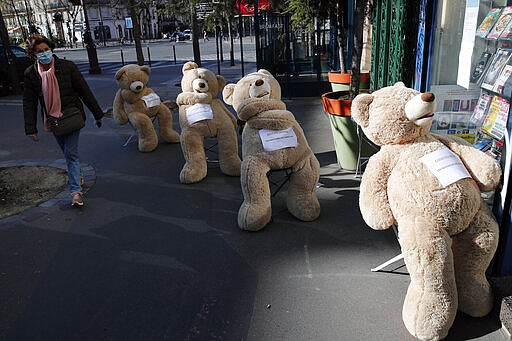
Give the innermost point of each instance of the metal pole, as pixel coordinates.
(217, 47)
(122, 56)
(257, 35)
(149, 56)
(241, 34)
(231, 46)
(174, 52)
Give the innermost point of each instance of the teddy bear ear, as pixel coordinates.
(400, 84)
(360, 109)
(227, 93)
(221, 81)
(265, 72)
(119, 73)
(146, 69)
(189, 66)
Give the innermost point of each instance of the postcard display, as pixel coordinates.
(492, 77)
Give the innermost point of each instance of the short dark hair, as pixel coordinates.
(35, 40)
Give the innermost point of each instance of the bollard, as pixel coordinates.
(174, 51)
(122, 56)
(149, 57)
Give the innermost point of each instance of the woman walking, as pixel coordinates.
(59, 87)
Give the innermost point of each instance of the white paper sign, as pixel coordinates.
(199, 112)
(446, 166)
(277, 139)
(151, 100)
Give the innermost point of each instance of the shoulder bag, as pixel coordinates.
(70, 121)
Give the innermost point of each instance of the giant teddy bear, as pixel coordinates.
(202, 115)
(136, 103)
(257, 100)
(429, 185)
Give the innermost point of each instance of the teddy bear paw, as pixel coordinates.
(170, 136)
(304, 208)
(148, 144)
(475, 296)
(253, 217)
(231, 167)
(190, 174)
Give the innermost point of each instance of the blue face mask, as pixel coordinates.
(45, 57)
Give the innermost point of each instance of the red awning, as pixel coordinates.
(247, 6)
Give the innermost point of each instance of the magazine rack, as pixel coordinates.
(492, 114)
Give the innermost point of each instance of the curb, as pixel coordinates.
(88, 173)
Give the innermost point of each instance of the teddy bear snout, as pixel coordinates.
(420, 109)
(200, 85)
(260, 89)
(137, 86)
(428, 97)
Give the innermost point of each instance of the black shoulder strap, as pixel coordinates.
(43, 105)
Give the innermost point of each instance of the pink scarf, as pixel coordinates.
(51, 93)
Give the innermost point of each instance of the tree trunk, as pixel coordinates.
(136, 32)
(13, 75)
(341, 37)
(195, 34)
(359, 17)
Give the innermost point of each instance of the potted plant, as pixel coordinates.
(346, 81)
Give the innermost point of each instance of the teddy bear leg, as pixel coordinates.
(430, 304)
(148, 140)
(167, 133)
(256, 211)
(195, 168)
(229, 160)
(473, 250)
(302, 201)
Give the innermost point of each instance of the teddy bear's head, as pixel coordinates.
(133, 77)
(200, 80)
(394, 114)
(257, 85)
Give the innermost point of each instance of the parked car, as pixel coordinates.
(187, 34)
(21, 60)
(176, 36)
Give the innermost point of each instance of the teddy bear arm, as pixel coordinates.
(373, 198)
(190, 98)
(118, 111)
(483, 169)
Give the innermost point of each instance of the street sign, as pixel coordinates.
(128, 22)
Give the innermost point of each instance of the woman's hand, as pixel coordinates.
(34, 137)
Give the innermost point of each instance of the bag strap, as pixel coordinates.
(43, 105)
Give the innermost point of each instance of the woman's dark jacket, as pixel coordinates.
(73, 90)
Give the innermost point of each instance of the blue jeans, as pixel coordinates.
(69, 145)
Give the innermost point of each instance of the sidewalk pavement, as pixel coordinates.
(151, 258)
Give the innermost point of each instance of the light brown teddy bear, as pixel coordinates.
(137, 104)
(429, 185)
(272, 139)
(202, 115)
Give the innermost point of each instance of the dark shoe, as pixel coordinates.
(76, 199)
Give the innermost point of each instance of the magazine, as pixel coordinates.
(501, 24)
(494, 69)
(502, 79)
(488, 22)
(495, 122)
(480, 66)
(507, 32)
(478, 116)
